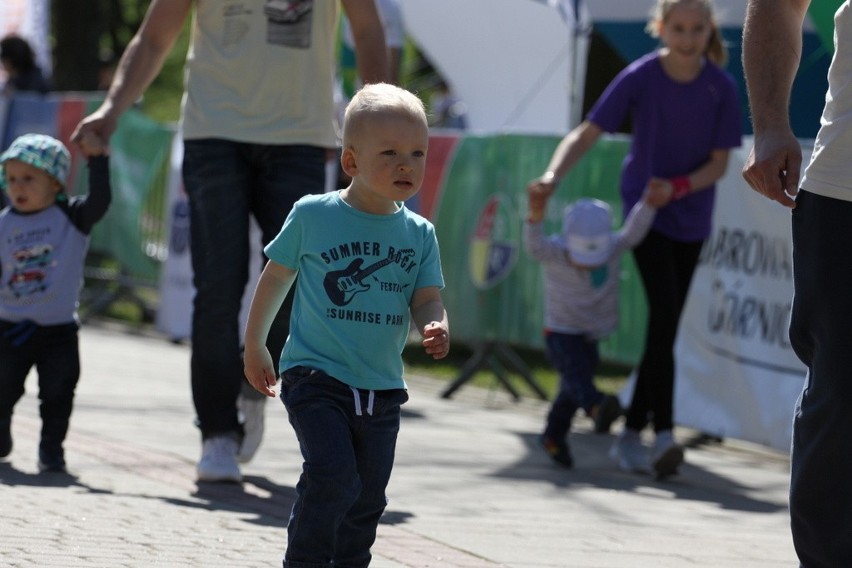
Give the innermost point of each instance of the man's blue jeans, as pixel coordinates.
(227, 182)
(348, 441)
(575, 357)
(821, 335)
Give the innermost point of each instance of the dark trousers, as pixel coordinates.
(666, 267)
(348, 441)
(821, 336)
(227, 183)
(575, 357)
(53, 351)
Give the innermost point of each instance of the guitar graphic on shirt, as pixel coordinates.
(342, 285)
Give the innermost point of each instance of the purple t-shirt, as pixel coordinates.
(675, 128)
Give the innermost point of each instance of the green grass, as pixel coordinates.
(609, 377)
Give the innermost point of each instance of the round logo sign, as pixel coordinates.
(494, 244)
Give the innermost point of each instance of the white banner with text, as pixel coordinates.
(737, 375)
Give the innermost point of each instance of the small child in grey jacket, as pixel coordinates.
(581, 276)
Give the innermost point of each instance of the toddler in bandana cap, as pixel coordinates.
(44, 237)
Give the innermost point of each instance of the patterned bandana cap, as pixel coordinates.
(40, 151)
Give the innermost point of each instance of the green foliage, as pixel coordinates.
(162, 99)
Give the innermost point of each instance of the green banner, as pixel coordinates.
(133, 230)
(494, 289)
(822, 15)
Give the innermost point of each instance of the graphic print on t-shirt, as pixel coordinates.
(28, 274)
(288, 22)
(343, 285)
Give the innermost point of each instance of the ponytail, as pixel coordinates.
(717, 51)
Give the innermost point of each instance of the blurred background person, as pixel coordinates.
(22, 71)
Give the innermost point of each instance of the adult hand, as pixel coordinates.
(773, 167)
(100, 125)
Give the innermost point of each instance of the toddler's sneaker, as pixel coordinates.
(251, 411)
(5, 438)
(219, 460)
(606, 413)
(51, 461)
(666, 455)
(629, 453)
(559, 453)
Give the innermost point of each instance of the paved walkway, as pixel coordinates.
(470, 489)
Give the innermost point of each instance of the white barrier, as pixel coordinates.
(737, 375)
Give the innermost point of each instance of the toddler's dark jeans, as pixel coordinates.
(53, 351)
(575, 357)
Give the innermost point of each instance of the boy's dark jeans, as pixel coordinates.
(228, 182)
(348, 441)
(53, 350)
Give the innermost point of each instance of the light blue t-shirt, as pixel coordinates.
(356, 275)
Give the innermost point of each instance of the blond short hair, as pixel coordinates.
(380, 98)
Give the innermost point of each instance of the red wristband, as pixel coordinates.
(680, 187)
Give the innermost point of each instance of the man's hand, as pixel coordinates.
(773, 167)
(94, 130)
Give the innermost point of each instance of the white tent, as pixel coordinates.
(520, 65)
(511, 61)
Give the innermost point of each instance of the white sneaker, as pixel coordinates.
(251, 413)
(219, 460)
(666, 455)
(629, 453)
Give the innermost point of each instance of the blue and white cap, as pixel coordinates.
(587, 229)
(40, 151)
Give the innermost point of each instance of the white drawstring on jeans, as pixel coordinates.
(371, 397)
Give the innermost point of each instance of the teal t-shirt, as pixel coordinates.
(356, 275)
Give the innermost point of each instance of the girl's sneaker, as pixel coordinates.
(629, 453)
(666, 455)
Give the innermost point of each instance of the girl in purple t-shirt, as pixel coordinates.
(685, 114)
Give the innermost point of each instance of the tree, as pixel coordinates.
(77, 31)
(91, 34)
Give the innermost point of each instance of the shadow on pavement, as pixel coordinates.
(15, 477)
(269, 501)
(592, 467)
